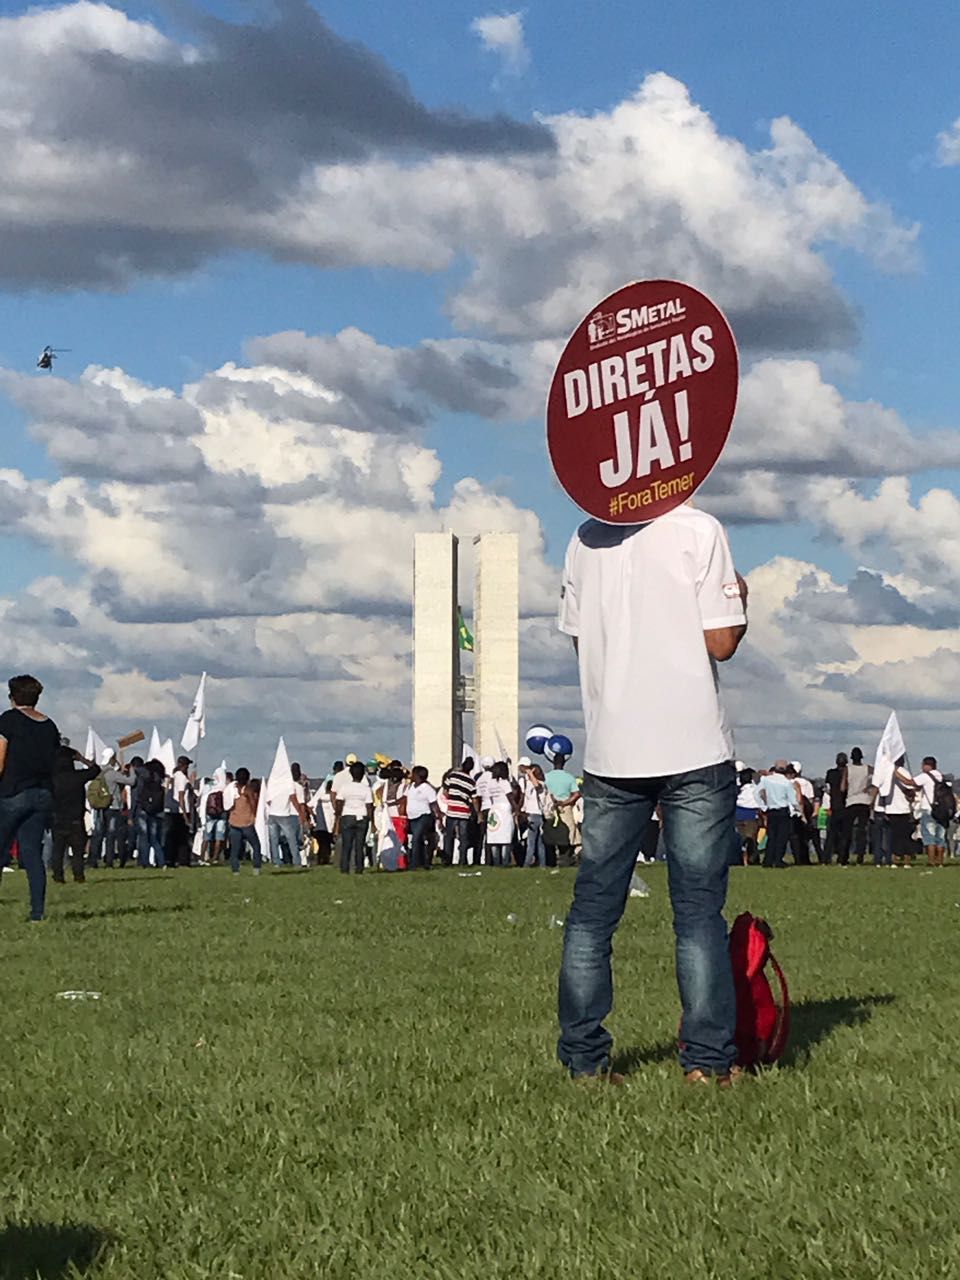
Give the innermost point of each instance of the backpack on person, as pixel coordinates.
(763, 1014)
(99, 795)
(215, 804)
(943, 806)
(151, 796)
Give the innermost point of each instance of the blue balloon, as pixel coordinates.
(538, 736)
(560, 745)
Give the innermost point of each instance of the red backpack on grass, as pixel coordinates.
(763, 1019)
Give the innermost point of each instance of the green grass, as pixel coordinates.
(277, 1085)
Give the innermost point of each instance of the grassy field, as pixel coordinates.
(307, 1075)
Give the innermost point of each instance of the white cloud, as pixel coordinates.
(161, 155)
(502, 34)
(948, 145)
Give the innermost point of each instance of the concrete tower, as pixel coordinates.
(496, 608)
(436, 655)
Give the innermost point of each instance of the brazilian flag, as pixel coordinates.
(466, 639)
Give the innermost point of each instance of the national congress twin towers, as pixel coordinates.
(442, 693)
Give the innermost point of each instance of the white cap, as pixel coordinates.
(739, 766)
(487, 762)
(796, 766)
(525, 762)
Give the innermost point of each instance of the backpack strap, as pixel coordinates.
(781, 1033)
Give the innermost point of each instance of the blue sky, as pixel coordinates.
(871, 87)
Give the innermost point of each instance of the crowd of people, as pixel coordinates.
(58, 808)
(845, 819)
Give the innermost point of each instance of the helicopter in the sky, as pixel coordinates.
(48, 355)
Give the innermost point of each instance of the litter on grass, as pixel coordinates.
(78, 995)
(556, 922)
(338, 902)
(467, 875)
(638, 888)
(512, 918)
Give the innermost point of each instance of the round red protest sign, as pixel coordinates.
(642, 401)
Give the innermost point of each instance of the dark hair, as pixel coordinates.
(500, 772)
(559, 760)
(467, 764)
(295, 771)
(136, 762)
(156, 766)
(841, 759)
(537, 772)
(337, 766)
(856, 755)
(931, 761)
(745, 777)
(419, 769)
(25, 691)
(358, 771)
(242, 776)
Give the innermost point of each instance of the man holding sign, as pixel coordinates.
(639, 410)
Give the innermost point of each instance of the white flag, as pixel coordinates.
(389, 847)
(155, 748)
(96, 749)
(891, 748)
(260, 822)
(196, 726)
(167, 757)
(280, 783)
(500, 747)
(468, 753)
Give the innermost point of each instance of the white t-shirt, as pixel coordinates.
(419, 799)
(279, 804)
(899, 801)
(639, 599)
(483, 788)
(181, 784)
(926, 783)
(340, 780)
(747, 797)
(532, 798)
(355, 796)
(499, 792)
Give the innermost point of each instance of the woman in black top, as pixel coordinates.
(28, 747)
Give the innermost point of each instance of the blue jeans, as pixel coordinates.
(150, 834)
(353, 840)
(237, 837)
(536, 850)
(456, 829)
(109, 836)
(289, 828)
(420, 830)
(499, 855)
(24, 818)
(698, 815)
